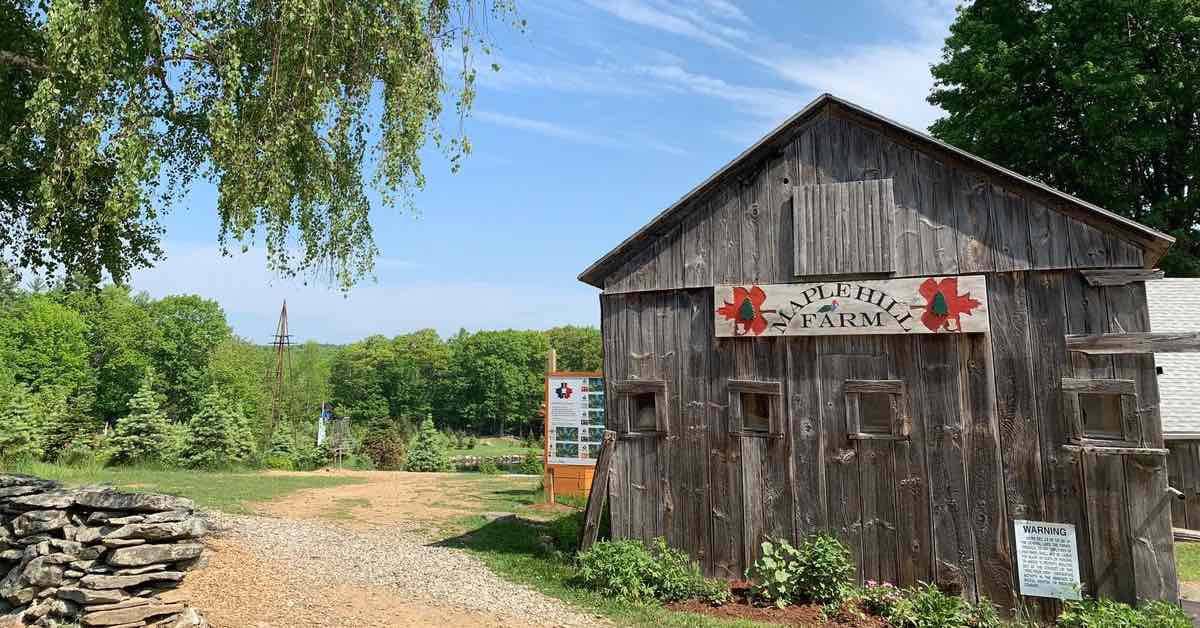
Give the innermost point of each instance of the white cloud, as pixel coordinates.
(397, 303)
(578, 136)
(643, 14)
(548, 129)
(761, 102)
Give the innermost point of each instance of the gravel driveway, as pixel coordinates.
(276, 571)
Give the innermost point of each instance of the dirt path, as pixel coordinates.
(361, 555)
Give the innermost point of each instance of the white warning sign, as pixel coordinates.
(1047, 561)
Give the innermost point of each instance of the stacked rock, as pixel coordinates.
(94, 556)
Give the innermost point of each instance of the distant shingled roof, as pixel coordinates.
(1175, 307)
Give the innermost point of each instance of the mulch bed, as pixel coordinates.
(808, 615)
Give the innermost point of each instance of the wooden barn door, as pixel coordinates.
(861, 474)
(896, 485)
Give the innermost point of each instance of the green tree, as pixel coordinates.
(1099, 98)
(122, 337)
(212, 434)
(46, 344)
(238, 369)
(112, 111)
(65, 417)
(428, 451)
(18, 427)
(142, 436)
(578, 348)
(496, 378)
(190, 328)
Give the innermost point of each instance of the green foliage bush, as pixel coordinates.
(531, 464)
(817, 571)
(142, 436)
(428, 451)
(487, 466)
(213, 437)
(566, 530)
(926, 606)
(621, 569)
(385, 443)
(18, 428)
(1105, 613)
(629, 570)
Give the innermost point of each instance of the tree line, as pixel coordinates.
(114, 375)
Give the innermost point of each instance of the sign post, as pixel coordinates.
(574, 430)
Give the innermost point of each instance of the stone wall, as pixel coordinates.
(472, 462)
(94, 556)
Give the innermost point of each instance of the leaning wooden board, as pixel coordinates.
(914, 305)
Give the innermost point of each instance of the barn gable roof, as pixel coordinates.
(1153, 242)
(1173, 306)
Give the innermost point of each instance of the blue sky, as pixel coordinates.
(603, 113)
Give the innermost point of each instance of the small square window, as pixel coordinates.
(1101, 412)
(875, 413)
(755, 408)
(645, 412)
(874, 409)
(1101, 415)
(756, 412)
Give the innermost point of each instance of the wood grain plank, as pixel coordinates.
(1152, 547)
(804, 430)
(954, 542)
(697, 247)
(914, 529)
(984, 463)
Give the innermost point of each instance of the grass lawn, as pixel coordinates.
(1187, 561)
(224, 491)
(494, 446)
(510, 549)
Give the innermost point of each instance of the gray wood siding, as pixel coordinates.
(843, 228)
(986, 445)
(949, 219)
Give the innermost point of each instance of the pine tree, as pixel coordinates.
(428, 452)
(142, 435)
(18, 427)
(212, 433)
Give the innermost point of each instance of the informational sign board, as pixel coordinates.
(1047, 559)
(574, 418)
(914, 305)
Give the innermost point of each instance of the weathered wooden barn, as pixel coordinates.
(856, 328)
(1174, 305)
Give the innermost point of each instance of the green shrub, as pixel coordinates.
(487, 466)
(618, 568)
(1103, 613)
(879, 598)
(566, 530)
(428, 451)
(775, 574)
(818, 571)
(385, 443)
(18, 431)
(279, 462)
(531, 464)
(926, 606)
(631, 571)
(471, 442)
(211, 438)
(142, 436)
(824, 569)
(675, 576)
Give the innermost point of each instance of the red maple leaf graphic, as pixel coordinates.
(944, 304)
(746, 311)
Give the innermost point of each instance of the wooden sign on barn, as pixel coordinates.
(856, 328)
